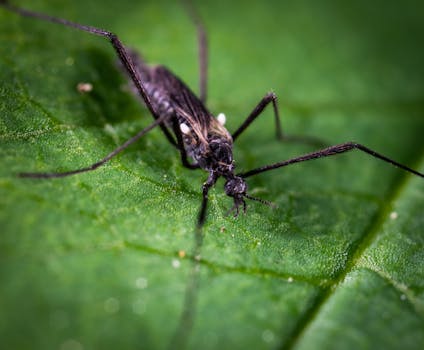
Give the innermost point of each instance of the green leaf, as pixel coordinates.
(95, 261)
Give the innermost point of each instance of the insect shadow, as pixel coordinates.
(109, 102)
(189, 126)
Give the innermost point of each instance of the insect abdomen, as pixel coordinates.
(159, 100)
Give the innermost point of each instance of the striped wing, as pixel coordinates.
(183, 100)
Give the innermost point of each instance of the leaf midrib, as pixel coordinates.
(355, 255)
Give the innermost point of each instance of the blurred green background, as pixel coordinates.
(92, 261)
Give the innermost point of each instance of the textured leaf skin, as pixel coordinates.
(92, 261)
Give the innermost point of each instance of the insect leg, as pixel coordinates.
(113, 38)
(202, 213)
(202, 42)
(180, 146)
(205, 191)
(127, 63)
(326, 152)
(139, 66)
(268, 98)
(168, 135)
(100, 162)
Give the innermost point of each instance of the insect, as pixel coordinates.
(201, 139)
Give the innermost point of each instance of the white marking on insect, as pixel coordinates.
(156, 94)
(221, 118)
(185, 129)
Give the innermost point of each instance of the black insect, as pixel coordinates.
(187, 123)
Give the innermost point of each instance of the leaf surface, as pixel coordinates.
(96, 260)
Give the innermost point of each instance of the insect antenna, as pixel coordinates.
(236, 210)
(260, 200)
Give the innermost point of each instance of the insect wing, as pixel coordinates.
(183, 100)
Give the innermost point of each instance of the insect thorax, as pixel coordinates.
(215, 155)
(204, 137)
